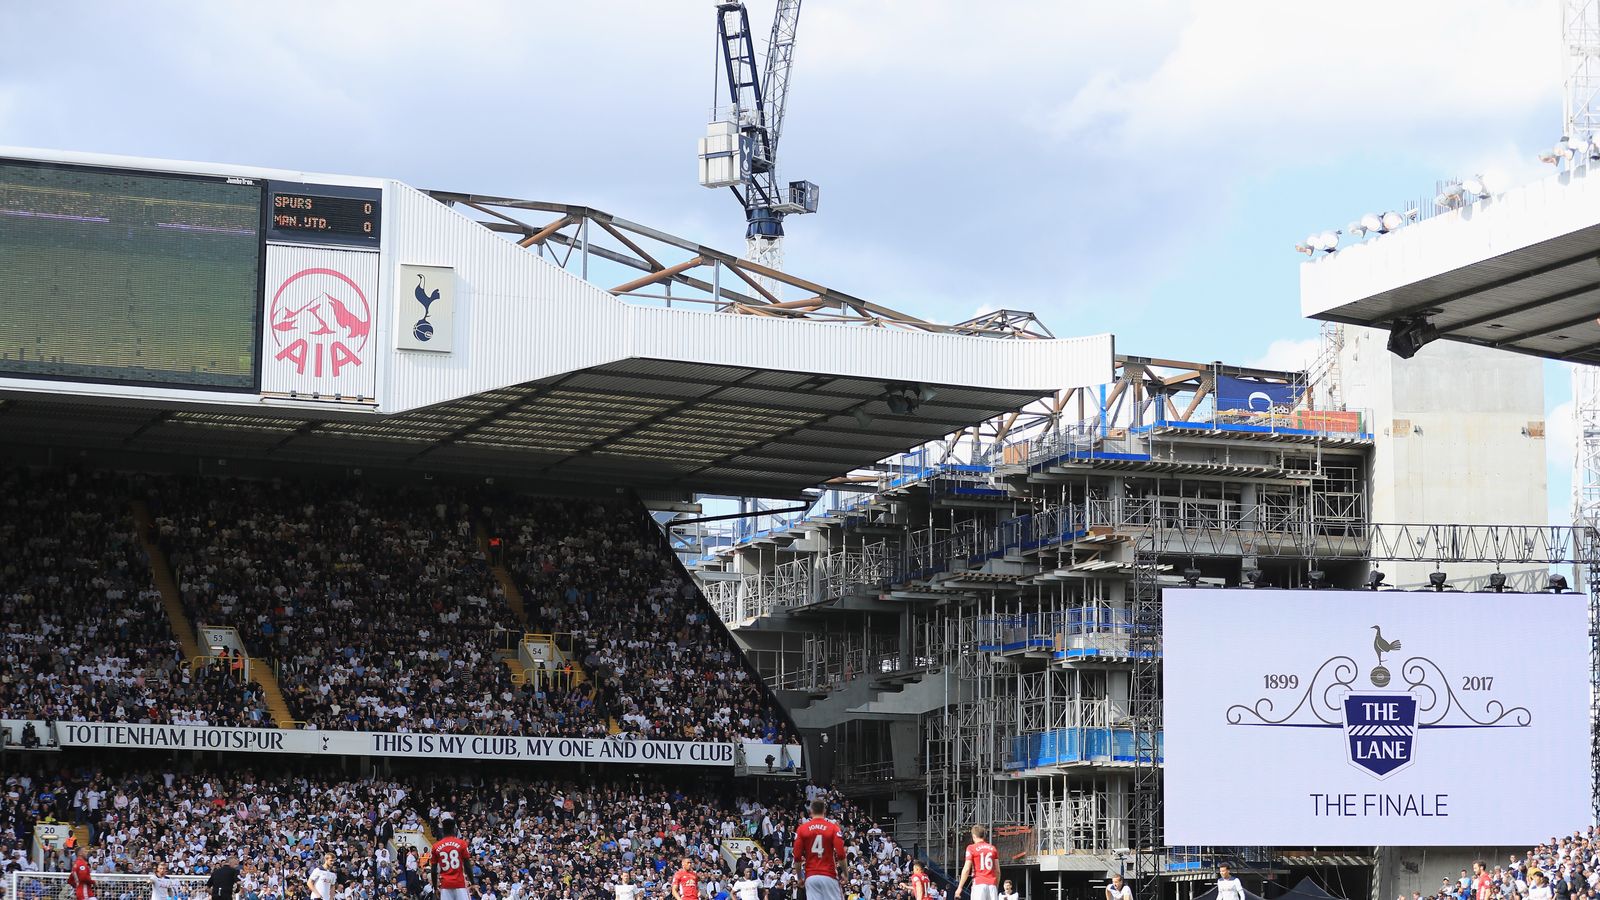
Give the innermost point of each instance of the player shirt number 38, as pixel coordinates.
(451, 855)
(982, 855)
(820, 843)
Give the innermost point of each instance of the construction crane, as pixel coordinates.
(1580, 42)
(740, 149)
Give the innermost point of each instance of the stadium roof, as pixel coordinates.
(1519, 271)
(585, 347)
(640, 423)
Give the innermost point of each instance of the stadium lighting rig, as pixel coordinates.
(1462, 192)
(1372, 223)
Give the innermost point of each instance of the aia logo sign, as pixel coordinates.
(320, 322)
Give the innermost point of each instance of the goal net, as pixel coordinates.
(54, 886)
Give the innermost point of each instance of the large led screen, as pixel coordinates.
(1337, 718)
(129, 277)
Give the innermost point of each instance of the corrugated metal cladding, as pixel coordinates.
(518, 317)
(521, 319)
(880, 354)
(321, 335)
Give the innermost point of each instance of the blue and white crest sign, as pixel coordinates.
(1381, 730)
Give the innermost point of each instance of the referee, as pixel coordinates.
(223, 879)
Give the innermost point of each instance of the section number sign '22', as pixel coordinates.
(1303, 718)
(319, 319)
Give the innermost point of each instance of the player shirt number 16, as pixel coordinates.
(982, 855)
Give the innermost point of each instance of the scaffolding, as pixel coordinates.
(1030, 589)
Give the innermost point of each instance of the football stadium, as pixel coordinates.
(366, 540)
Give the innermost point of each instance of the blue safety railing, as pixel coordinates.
(1061, 746)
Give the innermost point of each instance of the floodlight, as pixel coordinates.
(1356, 230)
(1497, 582)
(1436, 580)
(1374, 580)
(1392, 221)
(1450, 197)
(1558, 584)
(1191, 576)
(1372, 222)
(926, 394)
(862, 417)
(1407, 336)
(1475, 187)
(1307, 249)
(1318, 578)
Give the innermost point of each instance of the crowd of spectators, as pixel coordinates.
(666, 668)
(1565, 868)
(375, 607)
(531, 839)
(82, 633)
(376, 604)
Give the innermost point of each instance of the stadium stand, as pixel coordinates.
(549, 838)
(1566, 868)
(375, 607)
(672, 673)
(375, 604)
(82, 632)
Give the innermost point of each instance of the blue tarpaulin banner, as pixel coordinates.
(1259, 396)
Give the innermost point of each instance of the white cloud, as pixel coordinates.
(1288, 355)
(1559, 433)
(1264, 79)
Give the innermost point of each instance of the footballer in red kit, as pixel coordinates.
(686, 882)
(982, 866)
(449, 864)
(81, 878)
(819, 854)
(919, 882)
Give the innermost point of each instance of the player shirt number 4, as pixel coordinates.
(820, 843)
(982, 855)
(450, 854)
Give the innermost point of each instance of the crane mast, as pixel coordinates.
(1580, 39)
(740, 149)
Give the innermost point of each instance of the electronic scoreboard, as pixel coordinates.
(142, 277)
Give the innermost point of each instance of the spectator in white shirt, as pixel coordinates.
(1116, 890)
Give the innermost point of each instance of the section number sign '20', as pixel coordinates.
(320, 313)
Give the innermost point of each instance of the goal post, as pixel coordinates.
(107, 886)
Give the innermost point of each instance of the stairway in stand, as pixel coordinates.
(172, 602)
(508, 585)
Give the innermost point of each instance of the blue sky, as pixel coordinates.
(1142, 168)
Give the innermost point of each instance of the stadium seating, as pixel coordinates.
(666, 666)
(82, 632)
(530, 838)
(1566, 868)
(375, 604)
